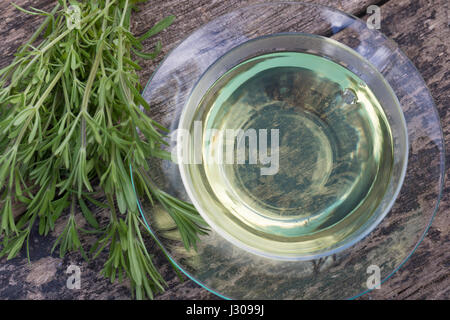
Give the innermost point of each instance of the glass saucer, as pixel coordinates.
(230, 270)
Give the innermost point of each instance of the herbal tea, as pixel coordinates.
(294, 149)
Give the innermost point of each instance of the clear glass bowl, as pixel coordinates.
(305, 229)
(229, 268)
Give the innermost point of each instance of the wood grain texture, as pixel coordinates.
(422, 30)
(420, 27)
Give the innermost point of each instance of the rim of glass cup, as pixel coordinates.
(346, 243)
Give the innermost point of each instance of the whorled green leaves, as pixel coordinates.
(71, 126)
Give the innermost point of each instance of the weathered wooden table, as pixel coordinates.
(422, 30)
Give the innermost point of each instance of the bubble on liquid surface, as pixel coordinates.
(349, 96)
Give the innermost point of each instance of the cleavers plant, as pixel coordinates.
(72, 124)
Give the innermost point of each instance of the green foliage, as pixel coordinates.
(71, 126)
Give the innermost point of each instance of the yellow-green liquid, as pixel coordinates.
(335, 153)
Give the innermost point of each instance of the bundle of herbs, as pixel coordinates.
(72, 126)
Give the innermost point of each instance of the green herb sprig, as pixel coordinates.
(71, 126)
